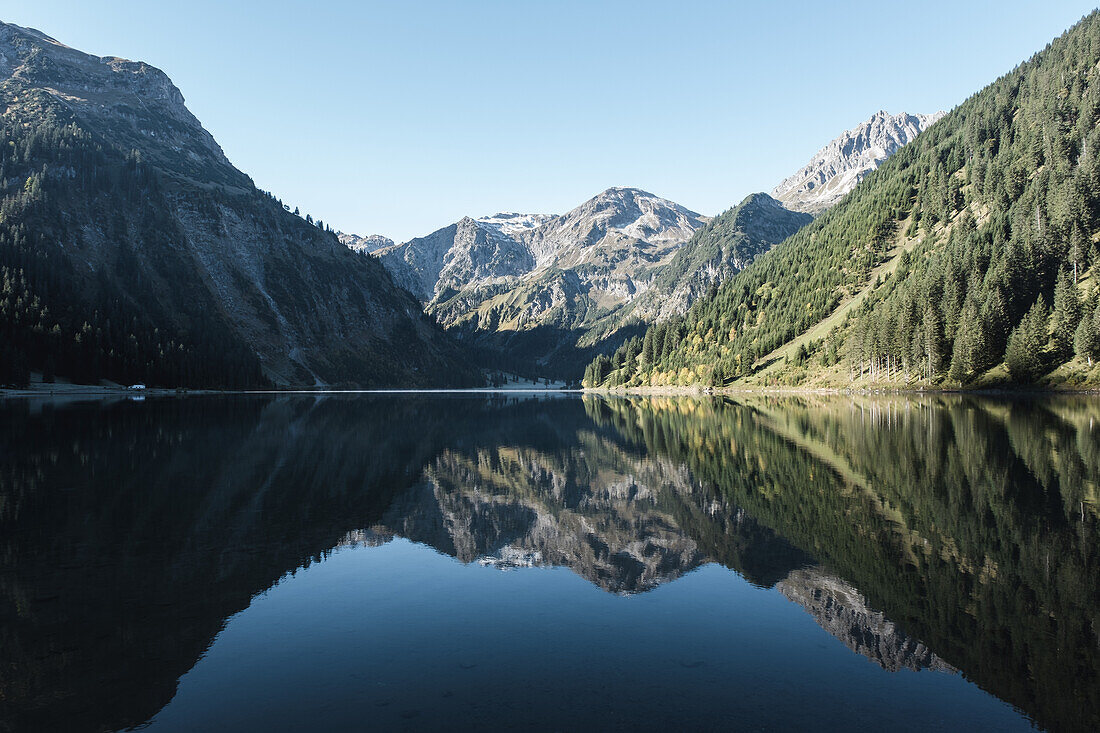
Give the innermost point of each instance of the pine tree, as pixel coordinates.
(1067, 313)
(1023, 356)
(1076, 249)
(933, 342)
(647, 349)
(969, 353)
(996, 326)
(718, 376)
(1086, 339)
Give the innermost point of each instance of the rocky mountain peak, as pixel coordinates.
(619, 214)
(637, 213)
(369, 243)
(190, 244)
(135, 104)
(836, 169)
(470, 250)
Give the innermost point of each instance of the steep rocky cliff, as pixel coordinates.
(839, 166)
(121, 213)
(468, 252)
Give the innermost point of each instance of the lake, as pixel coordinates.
(549, 561)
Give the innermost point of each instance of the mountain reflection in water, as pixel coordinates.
(936, 533)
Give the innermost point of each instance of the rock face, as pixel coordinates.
(154, 217)
(623, 221)
(132, 103)
(369, 243)
(561, 273)
(842, 610)
(618, 224)
(468, 252)
(839, 166)
(512, 224)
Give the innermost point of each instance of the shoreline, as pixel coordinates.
(718, 391)
(94, 391)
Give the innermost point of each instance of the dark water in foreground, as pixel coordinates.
(458, 561)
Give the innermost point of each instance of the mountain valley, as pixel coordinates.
(132, 250)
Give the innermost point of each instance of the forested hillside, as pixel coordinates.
(89, 326)
(724, 246)
(966, 259)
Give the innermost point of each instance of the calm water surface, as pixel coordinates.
(549, 562)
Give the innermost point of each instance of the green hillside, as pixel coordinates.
(965, 260)
(728, 243)
(114, 321)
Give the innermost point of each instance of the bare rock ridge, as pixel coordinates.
(475, 252)
(369, 243)
(839, 166)
(198, 253)
(466, 253)
(132, 102)
(512, 224)
(616, 218)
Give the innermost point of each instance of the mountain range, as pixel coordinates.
(131, 249)
(542, 294)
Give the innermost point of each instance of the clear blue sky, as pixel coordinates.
(399, 118)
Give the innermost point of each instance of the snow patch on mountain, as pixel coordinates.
(368, 243)
(511, 224)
